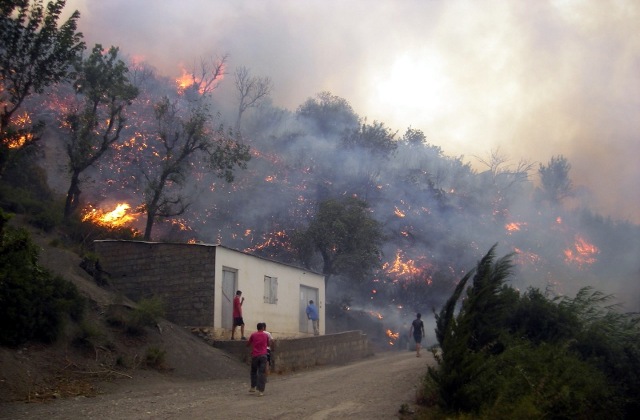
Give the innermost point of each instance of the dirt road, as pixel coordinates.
(374, 388)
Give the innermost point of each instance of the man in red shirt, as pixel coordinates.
(259, 341)
(237, 316)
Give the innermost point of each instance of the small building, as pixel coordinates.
(197, 283)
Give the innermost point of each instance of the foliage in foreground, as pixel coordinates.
(511, 355)
(34, 304)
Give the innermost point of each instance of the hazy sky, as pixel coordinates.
(532, 79)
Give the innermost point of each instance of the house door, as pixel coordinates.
(307, 294)
(229, 281)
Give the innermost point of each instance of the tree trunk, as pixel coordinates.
(73, 195)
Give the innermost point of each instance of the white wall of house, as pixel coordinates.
(278, 306)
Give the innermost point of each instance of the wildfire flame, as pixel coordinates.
(401, 268)
(584, 253)
(21, 122)
(376, 314)
(527, 257)
(117, 217)
(514, 226)
(399, 212)
(393, 336)
(185, 81)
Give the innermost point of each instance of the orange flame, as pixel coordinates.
(514, 226)
(21, 121)
(376, 314)
(185, 81)
(393, 336)
(401, 268)
(584, 253)
(117, 217)
(399, 212)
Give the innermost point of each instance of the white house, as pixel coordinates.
(197, 283)
(274, 293)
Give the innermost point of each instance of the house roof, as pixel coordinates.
(214, 246)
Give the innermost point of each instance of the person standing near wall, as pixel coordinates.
(417, 330)
(238, 321)
(259, 342)
(269, 359)
(313, 315)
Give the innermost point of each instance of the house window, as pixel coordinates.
(270, 290)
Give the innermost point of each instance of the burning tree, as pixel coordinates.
(96, 124)
(178, 144)
(34, 53)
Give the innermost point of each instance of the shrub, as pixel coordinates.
(511, 356)
(155, 357)
(34, 304)
(89, 335)
(147, 312)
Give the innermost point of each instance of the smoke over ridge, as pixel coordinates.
(532, 80)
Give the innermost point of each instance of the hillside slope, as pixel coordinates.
(36, 371)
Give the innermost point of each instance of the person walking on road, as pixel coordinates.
(417, 330)
(312, 314)
(259, 341)
(238, 321)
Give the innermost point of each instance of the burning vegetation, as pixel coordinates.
(118, 217)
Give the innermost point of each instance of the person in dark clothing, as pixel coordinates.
(417, 330)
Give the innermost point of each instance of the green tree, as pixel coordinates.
(34, 53)
(177, 144)
(505, 355)
(345, 236)
(329, 113)
(376, 137)
(105, 92)
(414, 137)
(554, 179)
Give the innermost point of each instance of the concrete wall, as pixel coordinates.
(188, 279)
(292, 354)
(282, 317)
(181, 274)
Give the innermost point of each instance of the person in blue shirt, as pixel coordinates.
(312, 314)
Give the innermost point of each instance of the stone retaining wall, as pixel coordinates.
(292, 354)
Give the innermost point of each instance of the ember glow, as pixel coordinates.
(376, 314)
(582, 253)
(118, 217)
(22, 122)
(514, 226)
(393, 336)
(400, 268)
(185, 81)
(526, 258)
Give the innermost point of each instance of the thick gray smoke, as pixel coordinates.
(529, 78)
(534, 81)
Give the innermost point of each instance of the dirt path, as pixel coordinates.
(374, 388)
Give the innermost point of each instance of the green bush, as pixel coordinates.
(89, 335)
(34, 304)
(134, 321)
(510, 356)
(155, 357)
(147, 312)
